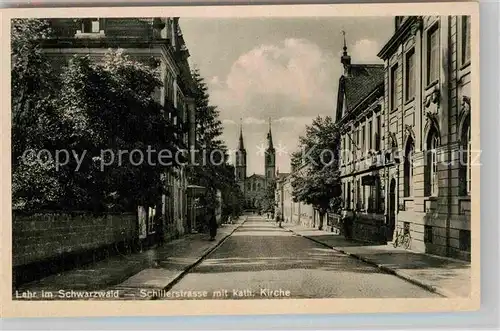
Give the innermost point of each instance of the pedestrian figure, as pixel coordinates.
(212, 224)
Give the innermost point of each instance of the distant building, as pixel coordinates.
(291, 211)
(254, 187)
(153, 41)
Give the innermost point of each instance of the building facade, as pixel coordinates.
(427, 121)
(359, 117)
(289, 210)
(153, 41)
(406, 146)
(254, 187)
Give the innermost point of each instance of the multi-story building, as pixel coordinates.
(359, 117)
(427, 119)
(151, 41)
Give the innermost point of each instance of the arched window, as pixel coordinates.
(431, 166)
(408, 168)
(465, 164)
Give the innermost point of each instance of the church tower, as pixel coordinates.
(241, 162)
(270, 161)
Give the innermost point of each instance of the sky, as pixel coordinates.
(285, 69)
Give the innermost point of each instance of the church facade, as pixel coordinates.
(254, 187)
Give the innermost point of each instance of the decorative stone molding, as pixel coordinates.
(431, 116)
(465, 104)
(393, 139)
(417, 26)
(432, 98)
(409, 131)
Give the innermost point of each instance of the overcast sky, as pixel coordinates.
(286, 69)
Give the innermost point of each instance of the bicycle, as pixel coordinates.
(403, 239)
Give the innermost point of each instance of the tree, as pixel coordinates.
(110, 106)
(35, 121)
(315, 175)
(211, 169)
(269, 198)
(98, 111)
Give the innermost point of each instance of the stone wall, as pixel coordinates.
(369, 228)
(43, 236)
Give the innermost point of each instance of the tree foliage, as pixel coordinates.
(315, 176)
(211, 169)
(100, 112)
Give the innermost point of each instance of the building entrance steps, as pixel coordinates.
(444, 276)
(154, 269)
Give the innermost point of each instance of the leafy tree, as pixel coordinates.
(315, 176)
(211, 169)
(268, 199)
(90, 108)
(35, 121)
(110, 106)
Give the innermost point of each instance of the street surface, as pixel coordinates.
(260, 260)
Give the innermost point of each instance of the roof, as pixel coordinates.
(361, 82)
(257, 176)
(283, 175)
(363, 79)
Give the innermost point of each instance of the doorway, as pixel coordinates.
(391, 222)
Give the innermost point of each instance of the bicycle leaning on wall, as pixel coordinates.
(403, 238)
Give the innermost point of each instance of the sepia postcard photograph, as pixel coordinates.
(241, 160)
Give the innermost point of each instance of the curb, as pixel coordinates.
(181, 274)
(440, 291)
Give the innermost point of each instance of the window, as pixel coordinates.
(464, 240)
(380, 196)
(394, 87)
(432, 55)
(428, 234)
(465, 164)
(363, 139)
(358, 195)
(90, 25)
(410, 75)
(349, 143)
(466, 34)
(431, 167)
(378, 134)
(370, 135)
(343, 150)
(344, 194)
(357, 142)
(348, 195)
(408, 168)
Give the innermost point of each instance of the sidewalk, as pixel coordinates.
(444, 276)
(132, 275)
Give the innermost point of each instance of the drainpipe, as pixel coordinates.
(447, 70)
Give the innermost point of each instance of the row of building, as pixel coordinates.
(406, 139)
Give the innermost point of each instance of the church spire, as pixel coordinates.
(345, 59)
(241, 145)
(270, 137)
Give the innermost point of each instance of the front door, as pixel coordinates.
(391, 222)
